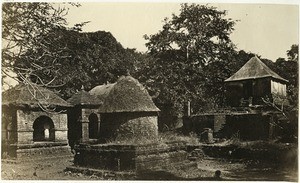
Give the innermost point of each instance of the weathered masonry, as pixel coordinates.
(128, 112)
(128, 117)
(28, 130)
(253, 82)
(83, 118)
(247, 116)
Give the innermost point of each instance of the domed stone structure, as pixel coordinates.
(128, 112)
(128, 128)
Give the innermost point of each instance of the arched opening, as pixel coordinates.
(93, 126)
(43, 129)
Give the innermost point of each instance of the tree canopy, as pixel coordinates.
(190, 58)
(88, 59)
(40, 49)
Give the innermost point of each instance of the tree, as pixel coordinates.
(88, 59)
(41, 50)
(24, 26)
(190, 58)
(201, 32)
(293, 53)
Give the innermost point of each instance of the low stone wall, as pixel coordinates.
(38, 151)
(282, 156)
(129, 157)
(243, 126)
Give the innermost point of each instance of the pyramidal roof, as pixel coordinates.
(32, 95)
(254, 69)
(128, 95)
(84, 98)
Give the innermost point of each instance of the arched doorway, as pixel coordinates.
(43, 129)
(93, 126)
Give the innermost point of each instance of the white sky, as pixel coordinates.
(266, 29)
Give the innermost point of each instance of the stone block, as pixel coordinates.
(128, 157)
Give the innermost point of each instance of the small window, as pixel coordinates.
(43, 129)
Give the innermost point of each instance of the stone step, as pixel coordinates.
(107, 174)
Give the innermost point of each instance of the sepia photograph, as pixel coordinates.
(150, 91)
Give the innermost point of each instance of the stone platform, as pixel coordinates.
(37, 151)
(128, 158)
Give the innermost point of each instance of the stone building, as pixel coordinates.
(128, 112)
(34, 122)
(128, 132)
(84, 117)
(247, 115)
(252, 82)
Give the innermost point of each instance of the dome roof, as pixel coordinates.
(127, 95)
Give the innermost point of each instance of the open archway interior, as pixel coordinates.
(93, 126)
(43, 129)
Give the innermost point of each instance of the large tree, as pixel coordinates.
(88, 59)
(191, 56)
(41, 50)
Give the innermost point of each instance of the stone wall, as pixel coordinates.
(198, 123)
(129, 157)
(36, 150)
(25, 120)
(74, 126)
(246, 127)
(86, 112)
(43, 152)
(9, 125)
(126, 126)
(78, 123)
(242, 126)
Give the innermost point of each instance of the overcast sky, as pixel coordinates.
(268, 30)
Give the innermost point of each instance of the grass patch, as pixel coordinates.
(162, 138)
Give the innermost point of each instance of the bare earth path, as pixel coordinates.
(49, 169)
(53, 169)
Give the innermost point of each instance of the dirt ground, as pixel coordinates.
(49, 169)
(53, 169)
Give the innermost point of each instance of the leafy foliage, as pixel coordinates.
(88, 59)
(190, 58)
(293, 53)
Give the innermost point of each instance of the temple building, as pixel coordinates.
(34, 122)
(252, 82)
(248, 114)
